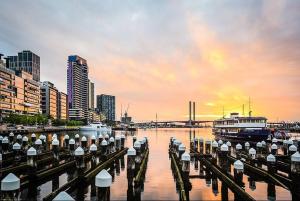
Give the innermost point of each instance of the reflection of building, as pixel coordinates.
(26, 61)
(77, 84)
(19, 93)
(62, 106)
(91, 95)
(106, 105)
(49, 97)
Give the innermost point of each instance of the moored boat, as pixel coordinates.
(97, 126)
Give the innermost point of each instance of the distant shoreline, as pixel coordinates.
(37, 130)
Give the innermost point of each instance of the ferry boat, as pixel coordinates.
(97, 126)
(242, 128)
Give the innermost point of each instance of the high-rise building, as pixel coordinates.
(78, 86)
(106, 105)
(49, 97)
(91, 96)
(26, 61)
(62, 106)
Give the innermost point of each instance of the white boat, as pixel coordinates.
(97, 126)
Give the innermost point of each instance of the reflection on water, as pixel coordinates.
(159, 182)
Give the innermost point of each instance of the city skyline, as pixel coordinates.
(157, 57)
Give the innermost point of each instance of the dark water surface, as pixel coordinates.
(159, 181)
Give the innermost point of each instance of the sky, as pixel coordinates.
(158, 55)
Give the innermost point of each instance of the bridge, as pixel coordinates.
(175, 123)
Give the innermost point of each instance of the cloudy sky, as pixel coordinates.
(158, 55)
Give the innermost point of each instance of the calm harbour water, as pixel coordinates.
(159, 181)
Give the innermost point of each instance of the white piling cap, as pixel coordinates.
(10, 183)
(292, 148)
(134, 137)
(274, 140)
(42, 137)
(137, 144)
(31, 151)
(284, 141)
(38, 142)
(5, 140)
(66, 137)
(93, 147)
(19, 137)
(1, 138)
(16, 146)
(107, 136)
(252, 151)
(224, 147)
(274, 146)
(238, 165)
(63, 196)
(25, 139)
(111, 139)
(259, 144)
(215, 144)
(33, 135)
(238, 146)
(181, 147)
(118, 137)
(93, 137)
(295, 157)
(142, 141)
(290, 142)
(220, 142)
(55, 142)
(104, 143)
(77, 135)
(228, 143)
(263, 143)
(11, 134)
(247, 144)
(271, 158)
(79, 151)
(72, 141)
(177, 142)
(185, 157)
(195, 139)
(103, 179)
(131, 151)
(201, 139)
(173, 139)
(83, 139)
(55, 135)
(207, 141)
(100, 136)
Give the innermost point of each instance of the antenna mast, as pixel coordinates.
(250, 107)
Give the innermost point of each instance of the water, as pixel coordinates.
(159, 181)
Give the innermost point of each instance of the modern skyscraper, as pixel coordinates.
(78, 88)
(91, 95)
(26, 61)
(106, 105)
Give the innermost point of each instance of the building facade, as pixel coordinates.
(26, 61)
(49, 99)
(106, 105)
(62, 106)
(91, 95)
(78, 87)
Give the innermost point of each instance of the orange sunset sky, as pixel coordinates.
(158, 55)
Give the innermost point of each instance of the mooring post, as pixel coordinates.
(223, 158)
(142, 142)
(72, 147)
(100, 138)
(207, 146)
(264, 147)
(137, 147)
(106, 137)
(274, 149)
(292, 150)
(131, 154)
(5, 145)
(10, 186)
(17, 153)
(274, 140)
(220, 142)
(122, 141)
(181, 150)
(25, 144)
(93, 139)
(201, 145)
(228, 143)
(252, 156)
(44, 142)
(33, 138)
(214, 184)
(11, 137)
(214, 151)
(84, 143)
(118, 142)
(93, 150)
(55, 150)
(238, 149)
(66, 141)
(271, 192)
(112, 144)
(247, 146)
(186, 160)
(176, 145)
(31, 172)
(103, 182)
(285, 147)
(19, 139)
(63, 196)
(238, 172)
(196, 144)
(104, 148)
(295, 176)
(259, 150)
(133, 140)
(38, 146)
(80, 163)
(77, 143)
(271, 164)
